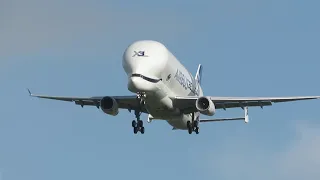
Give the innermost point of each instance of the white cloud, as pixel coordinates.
(248, 159)
(302, 159)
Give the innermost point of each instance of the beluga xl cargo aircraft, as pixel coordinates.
(165, 90)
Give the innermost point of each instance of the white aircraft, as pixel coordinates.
(165, 90)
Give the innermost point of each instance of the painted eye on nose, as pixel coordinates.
(169, 76)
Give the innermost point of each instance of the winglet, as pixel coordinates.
(30, 94)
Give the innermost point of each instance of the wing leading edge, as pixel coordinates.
(188, 103)
(124, 102)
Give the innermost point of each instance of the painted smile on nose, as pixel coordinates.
(141, 83)
(146, 78)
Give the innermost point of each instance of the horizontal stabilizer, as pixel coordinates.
(245, 118)
(222, 119)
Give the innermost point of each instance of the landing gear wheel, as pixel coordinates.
(188, 124)
(135, 130)
(195, 124)
(189, 127)
(137, 124)
(134, 123)
(197, 130)
(140, 123)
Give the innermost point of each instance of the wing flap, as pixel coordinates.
(225, 105)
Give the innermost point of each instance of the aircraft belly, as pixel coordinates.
(161, 108)
(158, 102)
(176, 120)
(158, 108)
(179, 122)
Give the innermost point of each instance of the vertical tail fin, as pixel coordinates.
(199, 74)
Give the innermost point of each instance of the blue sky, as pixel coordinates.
(74, 48)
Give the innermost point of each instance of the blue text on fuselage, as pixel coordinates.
(185, 82)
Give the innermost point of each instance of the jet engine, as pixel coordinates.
(205, 106)
(109, 106)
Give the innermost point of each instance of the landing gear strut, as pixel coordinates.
(138, 124)
(141, 98)
(193, 125)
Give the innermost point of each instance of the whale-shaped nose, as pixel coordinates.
(144, 63)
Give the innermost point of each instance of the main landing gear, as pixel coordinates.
(137, 124)
(193, 125)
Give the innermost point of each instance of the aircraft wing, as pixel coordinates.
(124, 102)
(187, 104)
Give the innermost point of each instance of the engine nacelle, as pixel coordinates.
(109, 106)
(205, 106)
